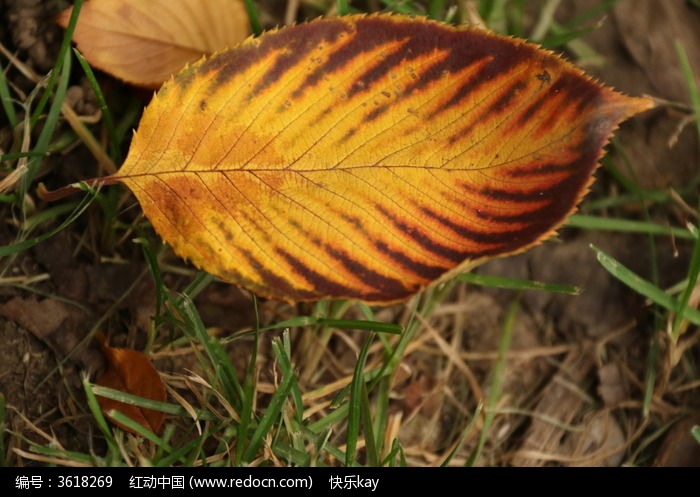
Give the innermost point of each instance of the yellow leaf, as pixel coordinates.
(367, 157)
(145, 42)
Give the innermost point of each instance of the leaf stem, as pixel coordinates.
(68, 190)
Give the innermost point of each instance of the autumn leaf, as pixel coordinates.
(367, 157)
(130, 371)
(145, 42)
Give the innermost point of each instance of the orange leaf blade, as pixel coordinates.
(367, 157)
(130, 371)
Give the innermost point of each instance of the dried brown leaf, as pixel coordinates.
(144, 43)
(131, 371)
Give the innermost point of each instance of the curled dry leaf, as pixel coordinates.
(367, 157)
(130, 371)
(145, 42)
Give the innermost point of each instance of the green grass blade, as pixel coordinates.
(47, 132)
(436, 9)
(353, 324)
(198, 283)
(247, 401)
(253, 17)
(696, 433)
(129, 118)
(164, 449)
(494, 15)
(190, 452)
(42, 144)
(218, 358)
(516, 284)
(18, 155)
(516, 18)
(296, 394)
(349, 324)
(463, 436)
(642, 286)
(342, 7)
(355, 403)
(320, 440)
(293, 456)
(154, 268)
(370, 441)
(96, 411)
(596, 11)
(624, 199)
(295, 322)
(627, 183)
(48, 214)
(651, 364)
(66, 455)
(693, 272)
(138, 428)
(63, 55)
(390, 459)
(104, 108)
(3, 415)
(627, 226)
(274, 408)
(401, 7)
(690, 82)
(156, 405)
(6, 100)
(337, 415)
(27, 244)
(559, 38)
(382, 403)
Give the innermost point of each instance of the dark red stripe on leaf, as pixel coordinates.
(375, 113)
(298, 49)
(223, 227)
(504, 195)
(530, 170)
(498, 65)
(533, 109)
(425, 271)
(297, 43)
(578, 89)
(459, 48)
(367, 276)
(531, 227)
(465, 232)
(352, 220)
(423, 240)
(507, 97)
(544, 215)
(561, 198)
(328, 288)
(281, 286)
(349, 134)
(323, 285)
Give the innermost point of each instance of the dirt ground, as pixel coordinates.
(579, 360)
